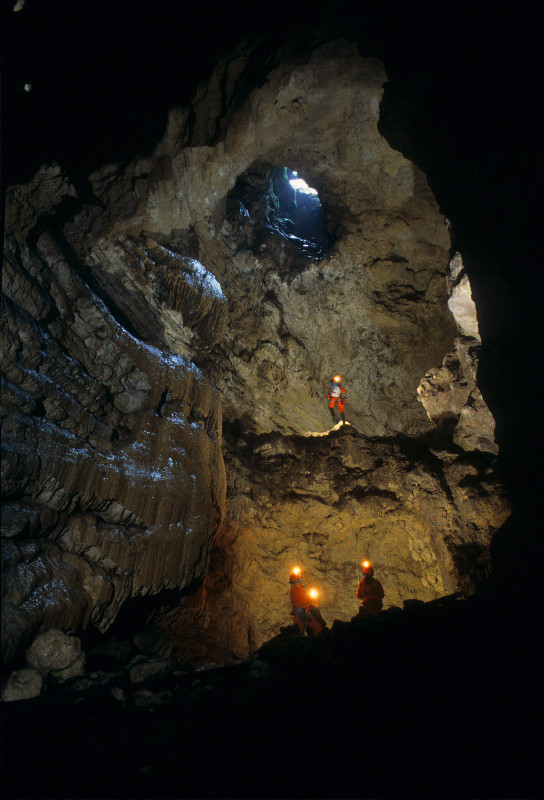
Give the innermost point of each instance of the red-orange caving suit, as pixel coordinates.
(299, 601)
(370, 593)
(336, 390)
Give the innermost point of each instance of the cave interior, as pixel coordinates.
(176, 298)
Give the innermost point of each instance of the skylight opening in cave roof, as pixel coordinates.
(294, 211)
(300, 184)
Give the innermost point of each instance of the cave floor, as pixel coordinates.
(437, 701)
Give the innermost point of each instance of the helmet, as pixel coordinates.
(313, 594)
(295, 576)
(368, 569)
(337, 378)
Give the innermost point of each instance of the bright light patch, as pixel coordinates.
(301, 186)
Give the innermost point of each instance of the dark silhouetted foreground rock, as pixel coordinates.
(424, 703)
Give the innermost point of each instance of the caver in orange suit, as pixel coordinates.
(370, 592)
(337, 394)
(299, 602)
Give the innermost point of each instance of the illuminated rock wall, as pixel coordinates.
(424, 518)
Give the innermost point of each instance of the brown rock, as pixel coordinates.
(325, 503)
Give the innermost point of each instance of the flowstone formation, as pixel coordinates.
(119, 363)
(112, 475)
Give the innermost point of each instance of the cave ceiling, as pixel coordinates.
(168, 344)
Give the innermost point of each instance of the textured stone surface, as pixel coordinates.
(56, 653)
(22, 685)
(112, 474)
(141, 672)
(374, 309)
(450, 393)
(425, 518)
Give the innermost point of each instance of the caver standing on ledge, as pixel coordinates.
(370, 592)
(337, 394)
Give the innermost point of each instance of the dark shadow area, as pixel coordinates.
(437, 700)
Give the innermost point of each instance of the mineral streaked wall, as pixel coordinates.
(112, 472)
(167, 297)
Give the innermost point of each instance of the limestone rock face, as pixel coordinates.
(425, 518)
(22, 685)
(374, 309)
(449, 393)
(119, 362)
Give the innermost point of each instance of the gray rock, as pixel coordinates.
(57, 653)
(22, 685)
(143, 697)
(151, 669)
(119, 694)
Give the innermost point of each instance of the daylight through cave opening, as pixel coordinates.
(277, 211)
(295, 212)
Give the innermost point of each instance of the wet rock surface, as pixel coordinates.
(112, 473)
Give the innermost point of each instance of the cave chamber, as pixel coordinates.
(167, 355)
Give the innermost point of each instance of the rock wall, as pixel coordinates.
(423, 515)
(112, 475)
(119, 362)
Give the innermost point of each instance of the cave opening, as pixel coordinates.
(275, 210)
(294, 211)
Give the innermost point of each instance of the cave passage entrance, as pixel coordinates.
(294, 211)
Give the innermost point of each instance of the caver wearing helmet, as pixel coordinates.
(299, 600)
(370, 592)
(316, 623)
(337, 394)
(295, 576)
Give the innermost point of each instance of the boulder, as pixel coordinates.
(22, 685)
(57, 653)
(150, 669)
